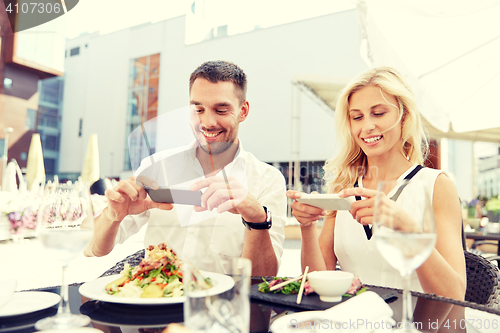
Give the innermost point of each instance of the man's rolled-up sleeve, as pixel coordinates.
(273, 196)
(131, 225)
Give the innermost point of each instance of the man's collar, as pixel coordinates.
(239, 155)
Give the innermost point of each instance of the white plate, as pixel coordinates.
(27, 302)
(7, 289)
(96, 290)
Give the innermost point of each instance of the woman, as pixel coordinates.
(382, 140)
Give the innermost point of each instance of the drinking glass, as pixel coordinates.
(228, 311)
(405, 238)
(64, 226)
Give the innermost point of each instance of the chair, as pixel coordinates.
(483, 281)
(488, 255)
(99, 186)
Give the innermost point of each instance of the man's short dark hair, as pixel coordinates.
(219, 70)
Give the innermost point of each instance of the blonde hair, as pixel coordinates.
(343, 170)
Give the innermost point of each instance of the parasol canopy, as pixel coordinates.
(91, 171)
(448, 51)
(35, 169)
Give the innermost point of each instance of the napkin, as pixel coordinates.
(468, 228)
(7, 288)
(365, 312)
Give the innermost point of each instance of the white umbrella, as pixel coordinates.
(449, 51)
(91, 171)
(35, 170)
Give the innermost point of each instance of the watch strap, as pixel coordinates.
(260, 225)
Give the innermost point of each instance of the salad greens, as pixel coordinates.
(291, 288)
(157, 275)
(294, 287)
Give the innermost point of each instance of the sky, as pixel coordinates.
(112, 15)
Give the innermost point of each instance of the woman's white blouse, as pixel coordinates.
(359, 255)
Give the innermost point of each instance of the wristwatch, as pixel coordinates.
(260, 226)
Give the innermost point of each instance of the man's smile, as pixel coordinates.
(210, 134)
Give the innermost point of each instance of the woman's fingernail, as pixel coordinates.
(155, 186)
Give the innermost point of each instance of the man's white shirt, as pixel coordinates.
(207, 239)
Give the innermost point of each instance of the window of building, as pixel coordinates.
(48, 111)
(50, 165)
(144, 77)
(24, 156)
(2, 146)
(80, 126)
(7, 82)
(49, 95)
(30, 120)
(46, 121)
(51, 142)
(74, 51)
(48, 116)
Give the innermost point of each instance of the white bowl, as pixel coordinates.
(330, 285)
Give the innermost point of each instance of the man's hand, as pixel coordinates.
(228, 196)
(130, 198)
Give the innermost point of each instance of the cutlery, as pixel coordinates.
(282, 284)
(301, 291)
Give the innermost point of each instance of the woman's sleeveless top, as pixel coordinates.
(359, 255)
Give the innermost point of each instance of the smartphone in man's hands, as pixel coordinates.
(175, 196)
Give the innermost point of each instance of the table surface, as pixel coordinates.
(429, 311)
(484, 236)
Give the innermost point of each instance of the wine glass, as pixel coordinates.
(65, 226)
(405, 237)
(226, 312)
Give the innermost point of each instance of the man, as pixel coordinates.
(236, 187)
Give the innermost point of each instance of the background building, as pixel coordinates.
(49, 122)
(457, 159)
(488, 177)
(26, 57)
(111, 80)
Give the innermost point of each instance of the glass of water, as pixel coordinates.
(228, 311)
(404, 233)
(65, 227)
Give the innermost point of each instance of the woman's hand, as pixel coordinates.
(389, 211)
(305, 214)
(361, 210)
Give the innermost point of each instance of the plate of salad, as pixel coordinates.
(156, 280)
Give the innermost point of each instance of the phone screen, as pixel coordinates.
(175, 196)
